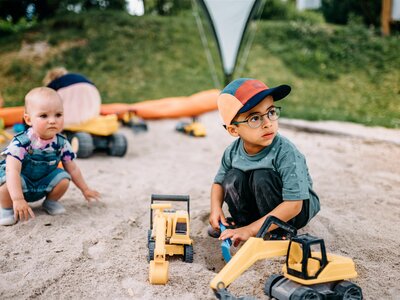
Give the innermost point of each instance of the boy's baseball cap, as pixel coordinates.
(243, 94)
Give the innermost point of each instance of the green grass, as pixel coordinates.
(337, 73)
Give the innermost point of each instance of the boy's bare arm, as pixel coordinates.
(76, 175)
(285, 211)
(216, 213)
(21, 208)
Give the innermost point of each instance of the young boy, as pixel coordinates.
(261, 173)
(30, 169)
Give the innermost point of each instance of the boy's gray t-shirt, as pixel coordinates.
(283, 157)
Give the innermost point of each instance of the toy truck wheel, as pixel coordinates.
(270, 282)
(100, 142)
(305, 293)
(117, 145)
(348, 290)
(137, 125)
(152, 246)
(188, 256)
(82, 144)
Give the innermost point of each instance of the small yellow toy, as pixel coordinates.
(132, 120)
(194, 128)
(168, 235)
(99, 133)
(309, 272)
(4, 135)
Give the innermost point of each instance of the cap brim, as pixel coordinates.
(277, 93)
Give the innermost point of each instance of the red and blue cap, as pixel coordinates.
(243, 94)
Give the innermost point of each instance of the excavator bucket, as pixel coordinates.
(225, 245)
(158, 273)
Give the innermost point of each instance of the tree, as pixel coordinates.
(13, 10)
(340, 11)
(42, 9)
(165, 7)
(46, 8)
(104, 4)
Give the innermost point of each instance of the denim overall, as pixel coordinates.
(39, 172)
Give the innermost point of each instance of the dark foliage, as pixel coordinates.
(341, 11)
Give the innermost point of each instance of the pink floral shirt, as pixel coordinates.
(16, 150)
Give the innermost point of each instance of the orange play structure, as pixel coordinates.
(173, 107)
(12, 115)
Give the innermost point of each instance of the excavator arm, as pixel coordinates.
(253, 250)
(263, 246)
(158, 273)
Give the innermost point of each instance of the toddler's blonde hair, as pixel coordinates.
(54, 74)
(38, 93)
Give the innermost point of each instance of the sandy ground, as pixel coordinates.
(100, 252)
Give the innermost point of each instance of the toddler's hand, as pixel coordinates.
(22, 211)
(91, 195)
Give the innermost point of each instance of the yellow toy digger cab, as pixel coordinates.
(309, 272)
(168, 235)
(97, 134)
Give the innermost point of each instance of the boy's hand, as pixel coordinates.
(22, 211)
(216, 216)
(91, 195)
(236, 235)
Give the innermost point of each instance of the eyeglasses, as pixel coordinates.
(256, 120)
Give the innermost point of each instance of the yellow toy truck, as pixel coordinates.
(309, 272)
(168, 235)
(194, 128)
(97, 134)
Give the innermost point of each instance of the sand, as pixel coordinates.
(100, 252)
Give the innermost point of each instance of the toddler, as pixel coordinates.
(30, 170)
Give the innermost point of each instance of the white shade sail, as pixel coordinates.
(229, 19)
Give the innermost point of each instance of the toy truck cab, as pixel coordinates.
(311, 273)
(306, 257)
(180, 228)
(308, 263)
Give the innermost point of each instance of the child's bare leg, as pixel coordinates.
(59, 190)
(5, 198)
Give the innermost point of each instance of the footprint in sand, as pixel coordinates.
(93, 249)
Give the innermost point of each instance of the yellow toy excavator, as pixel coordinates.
(97, 134)
(309, 272)
(168, 235)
